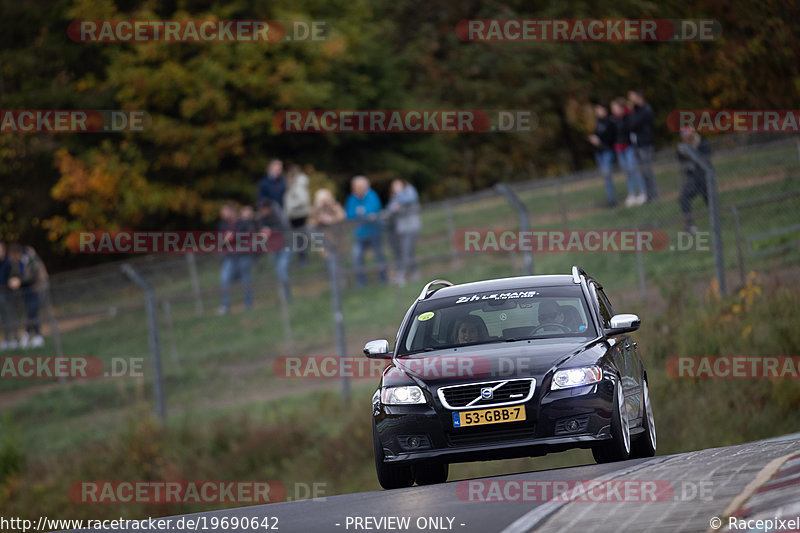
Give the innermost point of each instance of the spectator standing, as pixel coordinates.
(626, 153)
(273, 184)
(327, 215)
(28, 275)
(231, 269)
(244, 261)
(643, 140)
(404, 208)
(10, 341)
(692, 149)
(271, 219)
(603, 141)
(364, 206)
(297, 204)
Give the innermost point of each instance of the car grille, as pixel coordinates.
(468, 436)
(505, 392)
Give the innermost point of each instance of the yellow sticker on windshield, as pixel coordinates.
(425, 316)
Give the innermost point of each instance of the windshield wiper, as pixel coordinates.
(428, 349)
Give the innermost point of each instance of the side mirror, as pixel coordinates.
(378, 349)
(624, 323)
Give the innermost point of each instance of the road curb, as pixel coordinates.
(760, 486)
(539, 515)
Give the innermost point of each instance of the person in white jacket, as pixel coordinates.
(297, 206)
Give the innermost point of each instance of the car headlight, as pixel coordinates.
(575, 377)
(402, 395)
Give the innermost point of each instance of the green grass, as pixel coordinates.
(222, 369)
(298, 438)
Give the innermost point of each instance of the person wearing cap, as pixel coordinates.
(693, 150)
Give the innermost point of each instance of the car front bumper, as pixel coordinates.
(425, 432)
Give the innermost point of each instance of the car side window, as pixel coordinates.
(604, 306)
(606, 301)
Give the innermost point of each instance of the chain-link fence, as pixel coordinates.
(99, 311)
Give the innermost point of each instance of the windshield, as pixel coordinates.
(497, 316)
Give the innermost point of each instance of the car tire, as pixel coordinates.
(431, 473)
(645, 444)
(618, 447)
(390, 476)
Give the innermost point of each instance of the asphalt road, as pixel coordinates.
(675, 493)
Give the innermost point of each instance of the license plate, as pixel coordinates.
(489, 416)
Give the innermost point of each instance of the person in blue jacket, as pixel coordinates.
(364, 206)
(273, 184)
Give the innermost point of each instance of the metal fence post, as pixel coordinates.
(640, 266)
(48, 297)
(739, 255)
(152, 328)
(338, 315)
(561, 203)
(287, 321)
(451, 233)
(173, 349)
(198, 300)
(524, 221)
(713, 214)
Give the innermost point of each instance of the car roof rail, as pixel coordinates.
(577, 272)
(427, 291)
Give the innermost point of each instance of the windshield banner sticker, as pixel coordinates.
(497, 296)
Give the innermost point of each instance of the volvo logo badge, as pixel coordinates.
(487, 393)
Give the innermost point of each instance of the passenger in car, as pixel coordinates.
(572, 318)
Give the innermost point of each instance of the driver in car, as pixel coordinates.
(469, 329)
(552, 313)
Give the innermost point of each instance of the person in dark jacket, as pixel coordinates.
(232, 263)
(10, 340)
(273, 184)
(643, 140)
(271, 219)
(694, 154)
(28, 275)
(626, 153)
(603, 141)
